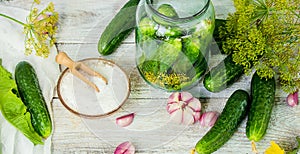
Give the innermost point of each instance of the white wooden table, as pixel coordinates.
(80, 26)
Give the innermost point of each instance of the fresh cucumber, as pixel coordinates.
(223, 75)
(33, 99)
(218, 24)
(13, 109)
(118, 29)
(234, 112)
(263, 97)
(216, 45)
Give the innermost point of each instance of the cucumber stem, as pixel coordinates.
(193, 151)
(254, 147)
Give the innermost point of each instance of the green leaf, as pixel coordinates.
(13, 109)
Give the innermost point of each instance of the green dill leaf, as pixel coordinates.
(264, 35)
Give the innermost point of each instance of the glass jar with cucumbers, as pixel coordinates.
(172, 40)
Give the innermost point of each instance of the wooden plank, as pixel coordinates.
(283, 125)
(72, 135)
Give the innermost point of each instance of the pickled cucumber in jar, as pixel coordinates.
(171, 50)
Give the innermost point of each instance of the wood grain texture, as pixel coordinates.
(80, 27)
(72, 135)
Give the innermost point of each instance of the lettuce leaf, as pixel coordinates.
(13, 109)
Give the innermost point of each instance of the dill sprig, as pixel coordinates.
(172, 81)
(40, 29)
(264, 35)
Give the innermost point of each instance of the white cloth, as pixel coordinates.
(11, 53)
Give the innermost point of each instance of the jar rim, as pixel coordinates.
(172, 19)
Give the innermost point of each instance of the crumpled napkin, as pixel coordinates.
(12, 52)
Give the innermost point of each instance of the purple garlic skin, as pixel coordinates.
(125, 120)
(208, 119)
(125, 148)
(292, 99)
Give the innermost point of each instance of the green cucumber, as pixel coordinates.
(191, 60)
(216, 45)
(33, 99)
(164, 11)
(263, 97)
(218, 24)
(234, 112)
(147, 27)
(118, 29)
(223, 75)
(167, 10)
(155, 67)
(168, 51)
(192, 48)
(165, 29)
(200, 66)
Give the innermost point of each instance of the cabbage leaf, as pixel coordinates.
(13, 109)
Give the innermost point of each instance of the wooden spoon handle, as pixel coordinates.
(63, 59)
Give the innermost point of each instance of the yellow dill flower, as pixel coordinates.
(264, 35)
(37, 1)
(39, 29)
(171, 81)
(274, 149)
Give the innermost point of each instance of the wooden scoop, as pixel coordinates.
(63, 59)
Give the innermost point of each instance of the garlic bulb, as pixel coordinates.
(184, 108)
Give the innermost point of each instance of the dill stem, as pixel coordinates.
(13, 19)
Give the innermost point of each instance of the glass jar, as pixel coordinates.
(172, 40)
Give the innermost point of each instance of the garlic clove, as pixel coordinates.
(125, 148)
(177, 116)
(172, 107)
(194, 104)
(292, 99)
(185, 96)
(183, 117)
(197, 116)
(189, 117)
(208, 119)
(174, 97)
(125, 120)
